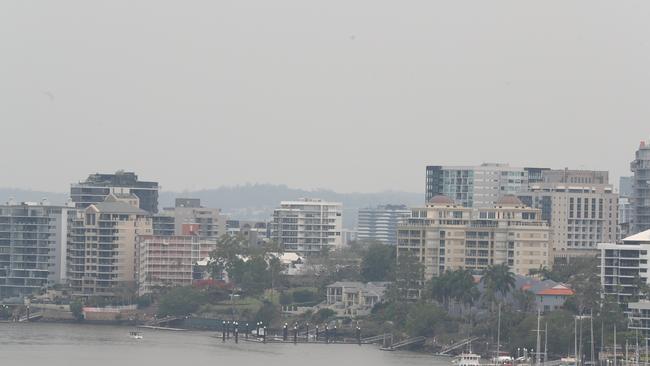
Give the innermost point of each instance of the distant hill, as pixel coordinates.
(251, 201)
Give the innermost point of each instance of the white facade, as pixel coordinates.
(380, 223)
(308, 226)
(622, 265)
(476, 186)
(33, 238)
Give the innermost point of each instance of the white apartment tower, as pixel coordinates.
(380, 223)
(33, 238)
(308, 226)
(478, 186)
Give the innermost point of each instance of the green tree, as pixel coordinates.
(322, 315)
(378, 263)
(498, 281)
(180, 301)
(76, 308)
(230, 249)
(525, 300)
(423, 319)
(269, 313)
(285, 298)
(409, 275)
(453, 288)
(303, 296)
(587, 287)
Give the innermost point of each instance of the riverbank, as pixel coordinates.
(78, 345)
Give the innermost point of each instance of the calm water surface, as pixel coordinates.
(84, 345)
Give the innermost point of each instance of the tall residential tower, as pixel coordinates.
(380, 223)
(478, 186)
(581, 208)
(308, 226)
(641, 189)
(32, 247)
(98, 186)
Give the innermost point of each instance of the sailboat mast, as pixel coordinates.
(591, 318)
(545, 341)
(615, 345)
(539, 314)
(575, 338)
(580, 352)
(499, 334)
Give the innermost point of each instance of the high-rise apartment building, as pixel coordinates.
(98, 186)
(446, 236)
(624, 268)
(170, 221)
(308, 226)
(626, 186)
(102, 246)
(380, 223)
(165, 261)
(581, 208)
(623, 265)
(32, 247)
(478, 186)
(625, 209)
(640, 199)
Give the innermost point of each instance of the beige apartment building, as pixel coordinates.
(580, 207)
(212, 223)
(165, 261)
(102, 246)
(447, 236)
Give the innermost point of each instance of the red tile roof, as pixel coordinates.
(558, 290)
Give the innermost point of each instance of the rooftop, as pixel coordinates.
(441, 200)
(509, 200)
(642, 236)
(118, 208)
(557, 290)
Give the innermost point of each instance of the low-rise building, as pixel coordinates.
(553, 298)
(355, 298)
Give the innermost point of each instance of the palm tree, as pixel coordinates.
(456, 287)
(497, 279)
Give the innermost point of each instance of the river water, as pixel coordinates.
(90, 345)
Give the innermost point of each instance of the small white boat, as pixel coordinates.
(135, 335)
(568, 361)
(469, 359)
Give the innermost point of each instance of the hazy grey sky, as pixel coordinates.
(347, 95)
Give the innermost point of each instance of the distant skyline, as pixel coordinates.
(350, 96)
